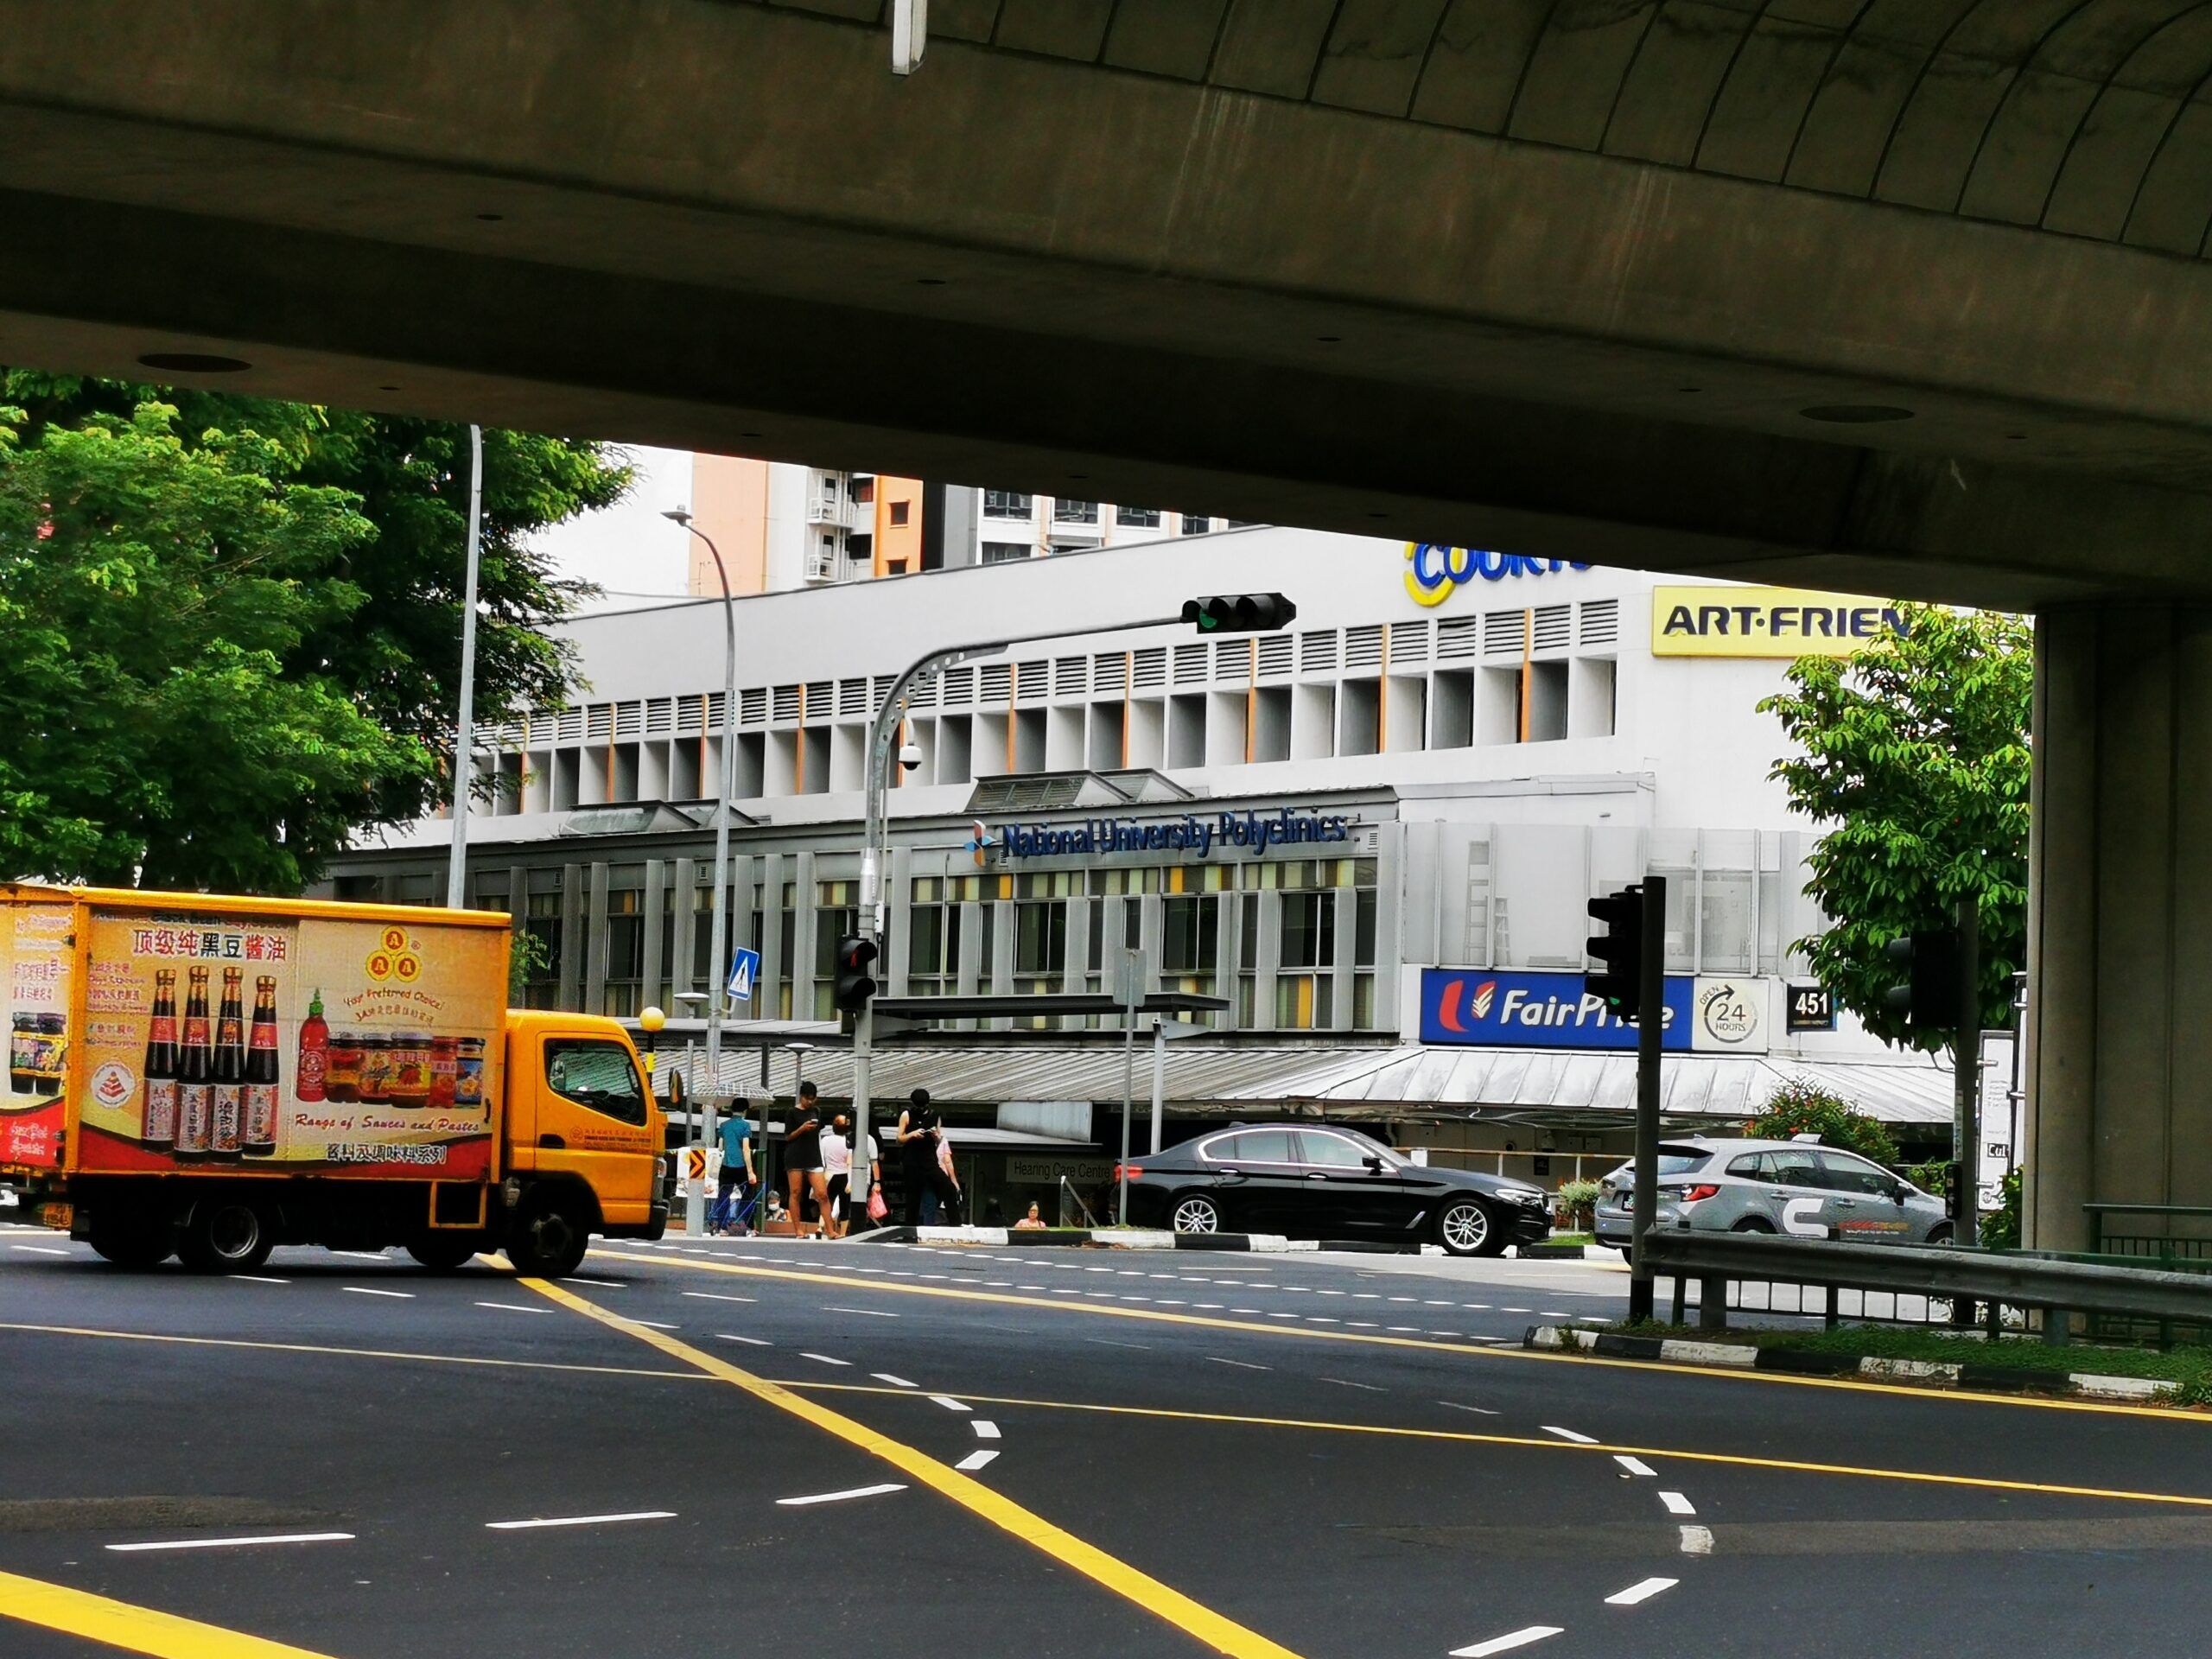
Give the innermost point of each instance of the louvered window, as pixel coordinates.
(1190, 664)
(660, 716)
(786, 705)
(628, 719)
(959, 687)
(1317, 652)
(1068, 678)
(1232, 660)
(572, 726)
(1409, 642)
(817, 706)
(1601, 621)
(1109, 671)
(1555, 626)
(753, 705)
(852, 698)
(1503, 632)
(1456, 638)
(1274, 656)
(998, 682)
(1151, 668)
(1363, 647)
(1032, 681)
(599, 720)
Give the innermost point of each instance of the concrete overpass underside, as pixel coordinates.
(1895, 296)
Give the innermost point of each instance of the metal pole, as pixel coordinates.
(1159, 1081)
(1650, 1025)
(1965, 1066)
(464, 736)
(1129, 1108)
(718, 945)
(882, 733)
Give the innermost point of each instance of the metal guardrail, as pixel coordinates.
(2166, 1246)
(2057, 1289)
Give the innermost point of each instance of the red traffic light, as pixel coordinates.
(855, 984)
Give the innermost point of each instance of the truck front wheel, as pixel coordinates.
(225, 1235)
(548, 1238)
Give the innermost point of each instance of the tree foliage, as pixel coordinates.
(1914, 760)
(1799, 1107)
(234, 624)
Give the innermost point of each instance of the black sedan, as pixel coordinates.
(1329, 1184)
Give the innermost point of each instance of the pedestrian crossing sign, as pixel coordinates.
(744, 968)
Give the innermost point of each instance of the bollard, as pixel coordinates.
(1712, 1303)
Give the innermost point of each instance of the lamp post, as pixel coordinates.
(718, 949)
(464, 736)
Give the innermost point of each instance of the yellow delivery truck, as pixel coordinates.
(207, 1077)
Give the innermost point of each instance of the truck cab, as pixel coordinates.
(583, 1139)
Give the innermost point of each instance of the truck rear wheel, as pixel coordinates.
(548, 1237)
(135, 1243)
(225, 1235)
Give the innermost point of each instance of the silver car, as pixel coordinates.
(1774, 1186)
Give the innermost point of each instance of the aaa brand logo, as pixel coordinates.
(394, 959)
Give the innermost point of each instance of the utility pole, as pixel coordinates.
(464, 736)
(1650, 1028)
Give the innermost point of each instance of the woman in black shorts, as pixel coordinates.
(802, 1158)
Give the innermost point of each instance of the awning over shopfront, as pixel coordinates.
(1375, 1083)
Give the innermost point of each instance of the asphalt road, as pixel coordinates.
(1020, 1453)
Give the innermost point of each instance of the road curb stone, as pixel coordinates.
(1742, 1356)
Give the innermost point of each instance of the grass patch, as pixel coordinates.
(1571, 1238)
(2190, 1368)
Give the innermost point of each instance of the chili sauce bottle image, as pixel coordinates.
(315, 1053)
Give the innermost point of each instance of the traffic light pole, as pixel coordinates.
(883, 732)
(1650, 1028)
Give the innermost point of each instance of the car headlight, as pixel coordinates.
(1522, 1194)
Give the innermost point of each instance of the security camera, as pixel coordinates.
(910, 757)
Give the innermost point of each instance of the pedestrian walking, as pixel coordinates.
(803, 1155)
(736, 1175)
(949, 1195)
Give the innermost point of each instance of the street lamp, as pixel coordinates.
(695, 1209)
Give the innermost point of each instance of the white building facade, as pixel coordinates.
(1374, 834)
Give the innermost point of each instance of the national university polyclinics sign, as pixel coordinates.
(1766, 622)
(1487, 1007)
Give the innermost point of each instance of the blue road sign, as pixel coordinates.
(744, 969)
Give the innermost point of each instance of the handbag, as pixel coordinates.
(877, 1209)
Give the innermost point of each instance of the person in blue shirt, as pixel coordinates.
(736, 1135)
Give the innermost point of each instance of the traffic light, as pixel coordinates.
(1620, 947)
(854, 983)
(1929, 964)
(1239, 613)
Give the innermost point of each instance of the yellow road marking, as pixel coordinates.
(346, 1353)
(1222, 1634)
(1429, 1345)
(1982, 1482)
(135, 1630)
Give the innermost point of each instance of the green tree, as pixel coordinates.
(1914, 758)
(151, 594)
(1799, 1107)
(391, 652)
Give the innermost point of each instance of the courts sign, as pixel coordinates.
(1502, 1008)
(1766, 622)
(1433, 574)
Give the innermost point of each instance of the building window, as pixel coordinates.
(1137, 518)
(622, 995)
(1074, 513)
(1004, 552)
(899, 511)
(1303, 1001)
(1008, 503)
(932, 939)
(1309, 929)
(543, 924)
(1196, 525)
(1040, 943)
(1189, 934)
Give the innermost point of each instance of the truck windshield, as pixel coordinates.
(596, 1075)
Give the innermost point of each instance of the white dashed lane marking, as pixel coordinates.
(1569, 1435)
(840, 1497)
(1677, 1505)
(896, 1381)
(750, 1342)
(985, 1429)
(513, 1307)
(235, 1543)
(716, 1296)
(822, 1359)
(363, 1290)
(976, 1460)
(1642, 1590)
(1241, 1365)
(1697, 1541)
(581, 1520)
(1635, 1465)
(1506, 1643)
(39, 1249)
(949, 1403)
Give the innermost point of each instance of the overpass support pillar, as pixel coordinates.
(2119, 921)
